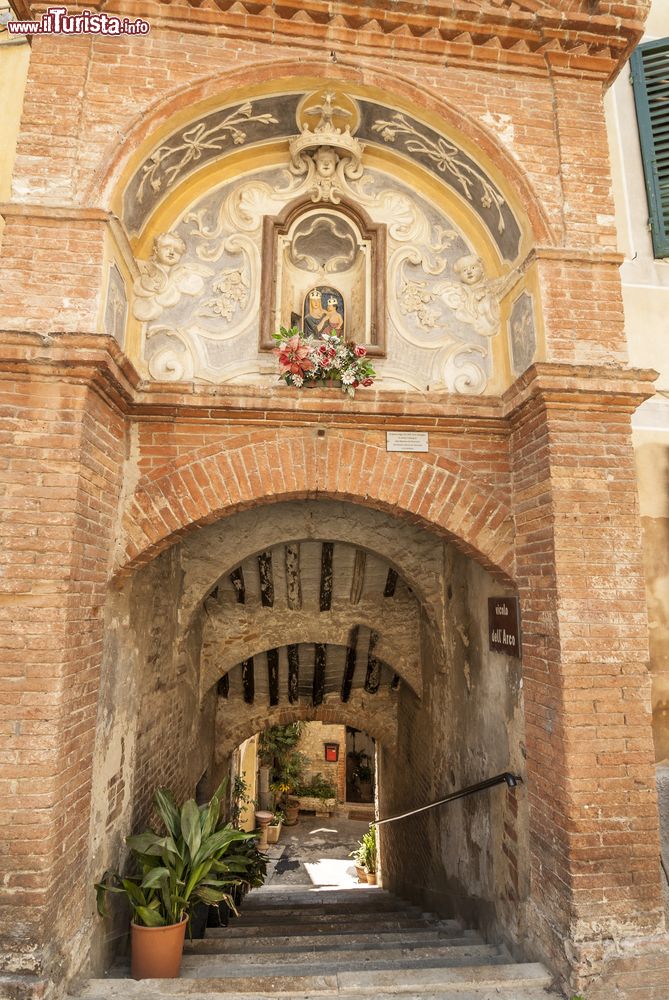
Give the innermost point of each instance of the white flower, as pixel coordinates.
(297, 380)
(347, 378)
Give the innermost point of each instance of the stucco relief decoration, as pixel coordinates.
(163, 279)
(200, 295)
(440, 300)
(329, 156)
(186, 301)
(447, 158)
(167, 163)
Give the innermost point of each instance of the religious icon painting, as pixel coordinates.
(323, 312)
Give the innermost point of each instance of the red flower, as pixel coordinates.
(360, 352)
(332, 352)
(355, 384)
(368, 381)
(294, 357)
(322, 349)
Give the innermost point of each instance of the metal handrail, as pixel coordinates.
(511, 780)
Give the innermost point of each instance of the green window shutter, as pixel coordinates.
(650, 75)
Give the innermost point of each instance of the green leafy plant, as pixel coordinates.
(278, 741)
(240, 799)
(368, 849)
(277, 750)
(256, 865)
(358, 855)
(317, 787)
(196, 860)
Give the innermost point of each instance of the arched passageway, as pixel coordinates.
(326, 610)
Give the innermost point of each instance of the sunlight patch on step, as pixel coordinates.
(332, 871)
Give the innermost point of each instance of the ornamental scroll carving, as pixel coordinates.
(245, 258)
(344, 126)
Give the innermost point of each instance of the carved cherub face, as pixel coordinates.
(469, 269)
(326, 161)
(168, 249)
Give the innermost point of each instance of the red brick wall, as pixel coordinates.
(593, 814)
(61, 453)
(202, 486)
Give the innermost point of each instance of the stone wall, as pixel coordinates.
(312, 744)
(152, 731)
(462, 860)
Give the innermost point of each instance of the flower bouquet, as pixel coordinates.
(324, 359)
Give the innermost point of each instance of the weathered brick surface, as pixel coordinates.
(201, 487)
(61, 449)
(593, 815)
(539, 487)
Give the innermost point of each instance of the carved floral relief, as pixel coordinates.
(199, 294)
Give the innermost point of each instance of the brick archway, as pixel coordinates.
(380, 724)
(219, 481)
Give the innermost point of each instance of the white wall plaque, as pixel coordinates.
(407, 441)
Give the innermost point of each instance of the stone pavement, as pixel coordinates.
(316, 852)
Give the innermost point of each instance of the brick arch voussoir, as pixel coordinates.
(440, 495)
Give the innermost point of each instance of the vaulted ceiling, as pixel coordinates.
(301, 621)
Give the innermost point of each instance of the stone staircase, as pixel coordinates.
(293, 942)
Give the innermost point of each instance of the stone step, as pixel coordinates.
(295, 909)
(498, 993)
(217, 966)
(319, 927)
(306, 894)
(506, 981)
(303, 896)
(318, 915)
(217, 943)
(155, 991)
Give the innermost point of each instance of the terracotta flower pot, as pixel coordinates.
(361, 873)
(156, 951)
(292, 812)
(371, 878)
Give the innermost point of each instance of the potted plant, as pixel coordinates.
(317, 794)
(291, 809)
(277, 750)
(368, 854)
(359, 862)
(274, 828)
(195, 860)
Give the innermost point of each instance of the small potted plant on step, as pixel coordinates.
(368, 843)
(358, 856)
(195, 860)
